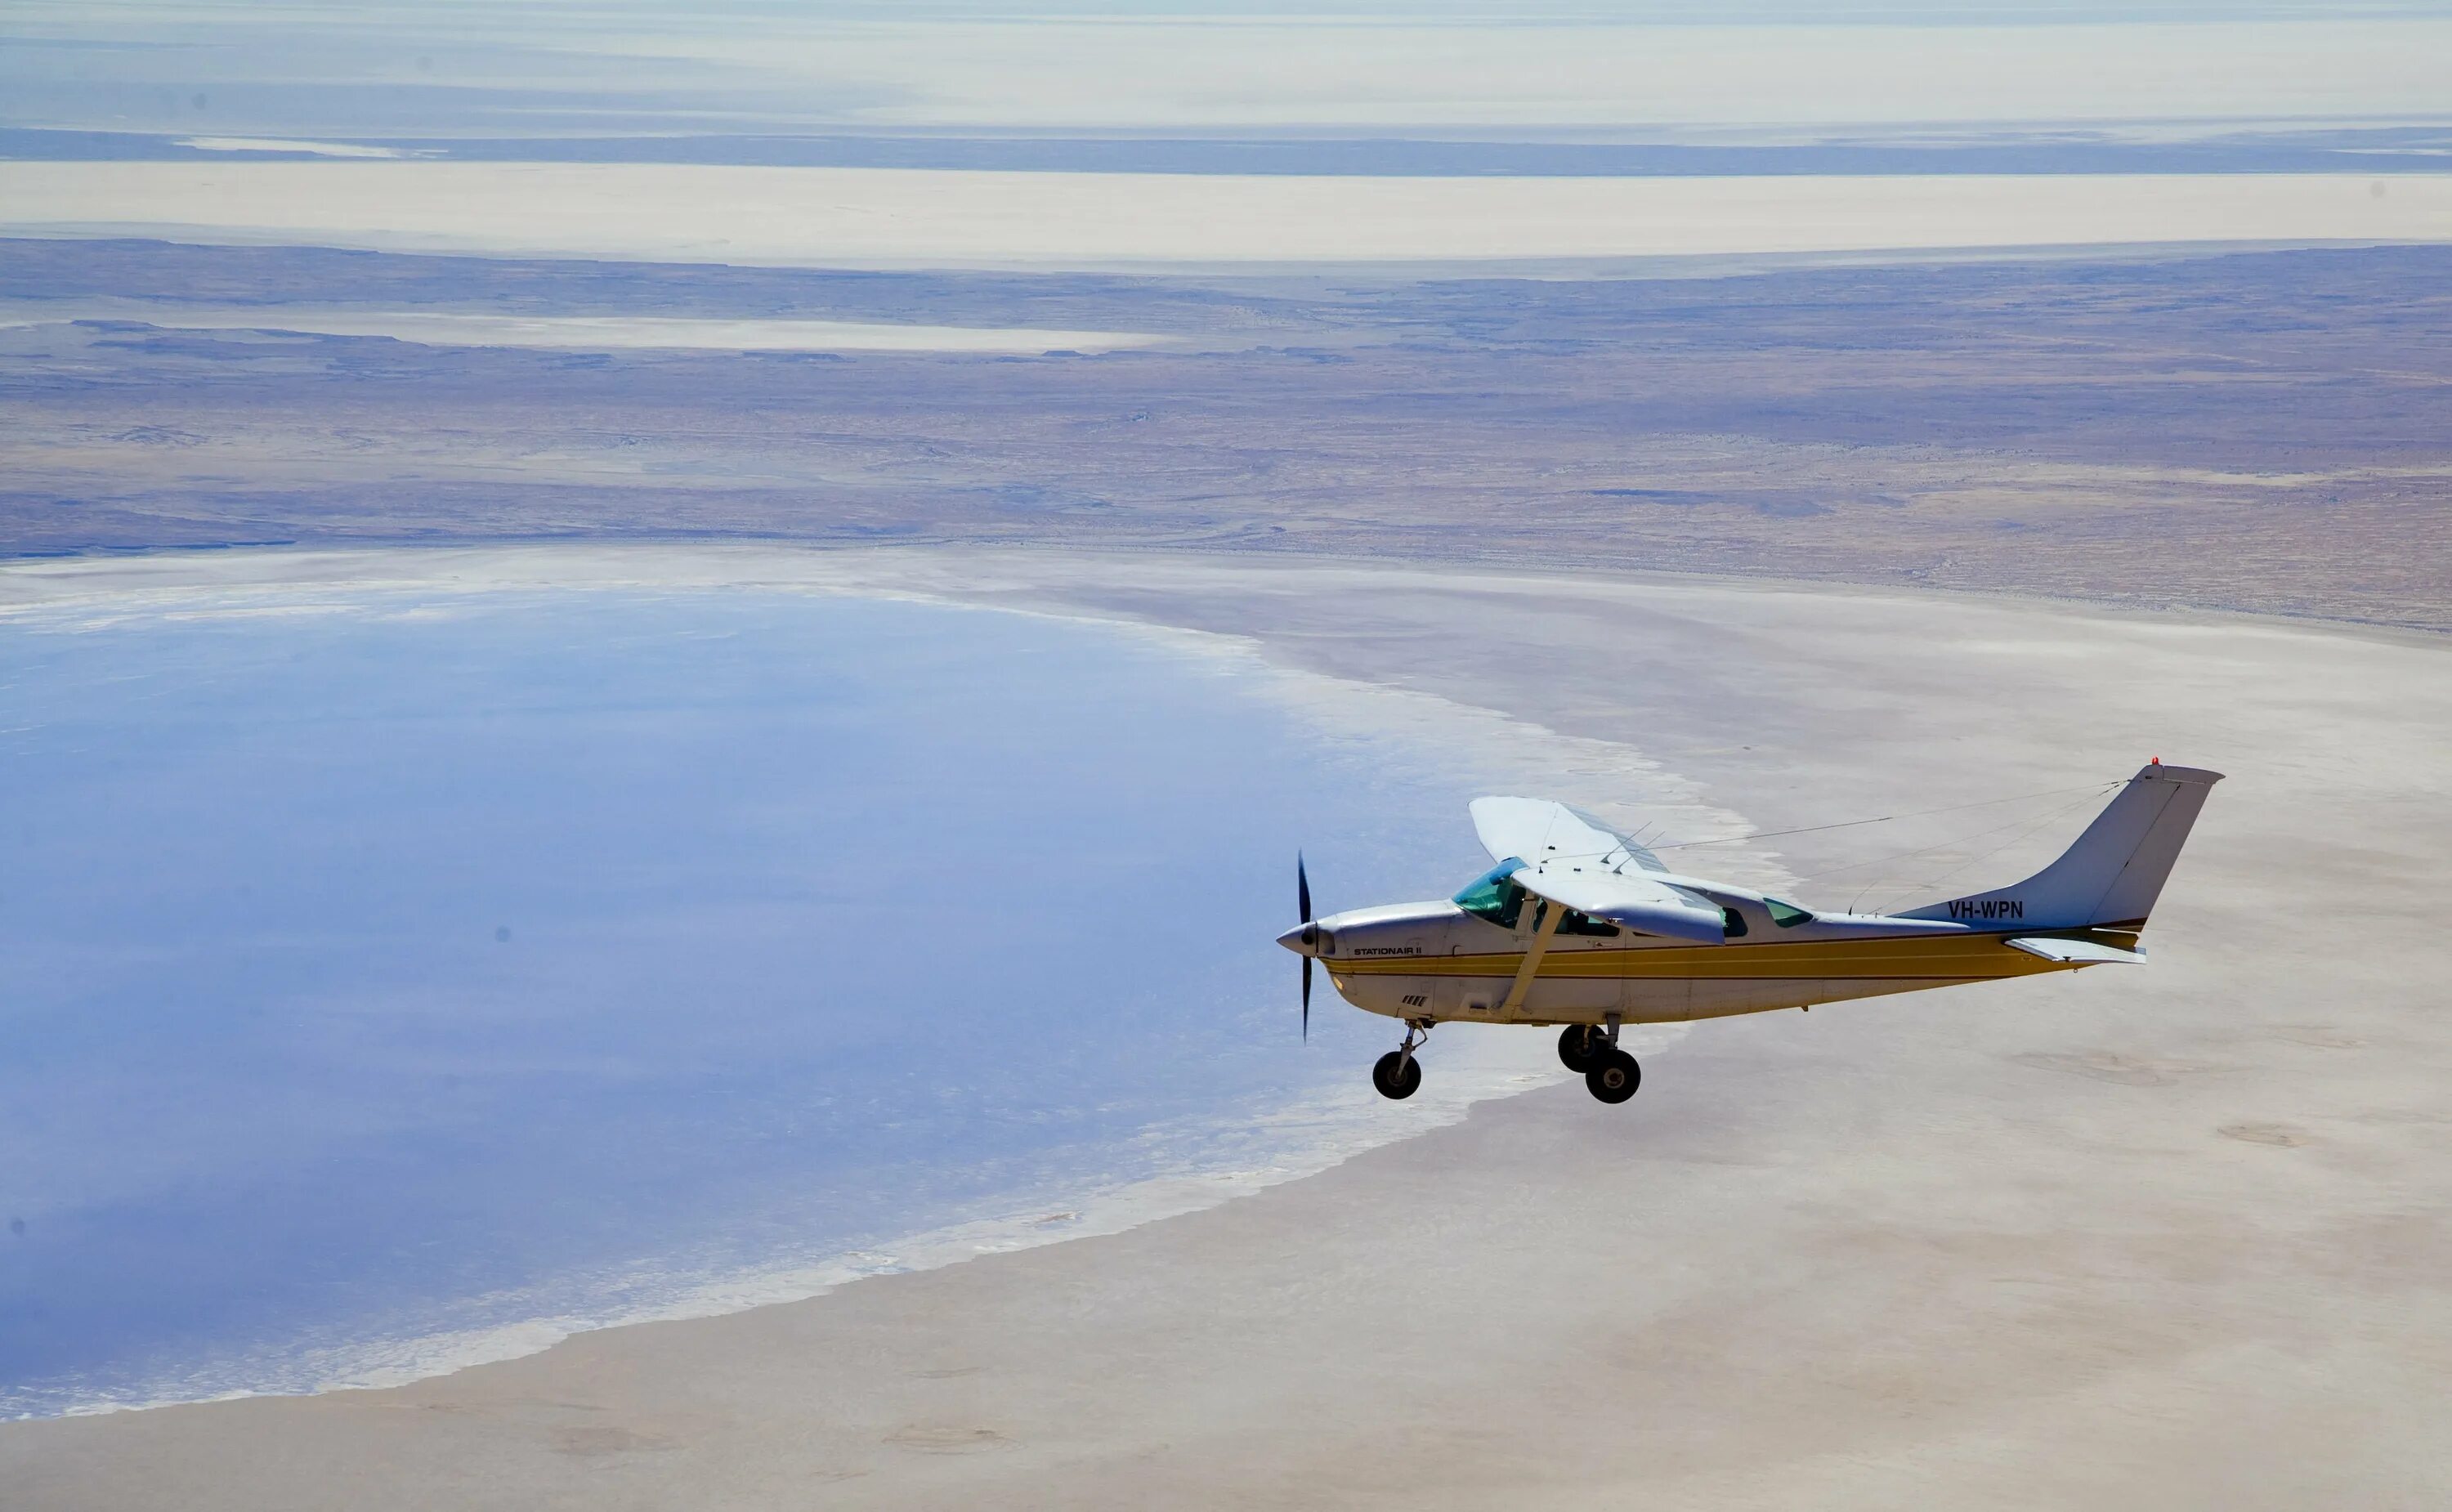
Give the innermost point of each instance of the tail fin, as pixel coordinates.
(2110, 877)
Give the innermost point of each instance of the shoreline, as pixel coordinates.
(1096, 1211)
(99, 564)
(1341, 1124)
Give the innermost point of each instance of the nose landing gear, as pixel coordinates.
(1398, 1075)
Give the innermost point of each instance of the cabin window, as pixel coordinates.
(1494, 895)
(1731, 923)
(1787, 916)
(1576, 923)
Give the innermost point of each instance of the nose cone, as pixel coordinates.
(1303, 939)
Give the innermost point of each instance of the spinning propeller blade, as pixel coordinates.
(1302, 902)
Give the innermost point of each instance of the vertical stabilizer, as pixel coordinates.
(2111, 877)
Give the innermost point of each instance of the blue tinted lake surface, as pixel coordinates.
(412, 981)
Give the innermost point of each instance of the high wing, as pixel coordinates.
(1536, 829)
(1576, 863)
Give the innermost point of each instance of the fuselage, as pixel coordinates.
(1436, 962)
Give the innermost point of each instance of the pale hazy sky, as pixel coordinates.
(518, 68)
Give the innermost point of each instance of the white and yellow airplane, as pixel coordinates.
(1580, 927)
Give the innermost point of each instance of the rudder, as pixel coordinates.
(2111, 877)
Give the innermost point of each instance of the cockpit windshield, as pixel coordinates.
(1493, 896)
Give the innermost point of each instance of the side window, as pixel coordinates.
(1787, 916)
(1732, 921)
(1576, 923)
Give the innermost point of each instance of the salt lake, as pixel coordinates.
(401, 979)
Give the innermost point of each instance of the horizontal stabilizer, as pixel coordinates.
(2077, 953)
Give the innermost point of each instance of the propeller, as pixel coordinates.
(1302, 902)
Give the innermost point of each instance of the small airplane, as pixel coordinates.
(1581, 928)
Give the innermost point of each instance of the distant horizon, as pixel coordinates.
(1424, 151)
(542, 69)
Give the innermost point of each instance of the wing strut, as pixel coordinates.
(1543, 932)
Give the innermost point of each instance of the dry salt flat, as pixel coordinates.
(891, 218)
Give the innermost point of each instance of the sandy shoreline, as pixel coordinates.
(2172, 1239)
(899, 218)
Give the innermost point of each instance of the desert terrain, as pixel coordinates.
(2110, 429)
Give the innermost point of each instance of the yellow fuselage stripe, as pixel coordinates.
(1946, 956)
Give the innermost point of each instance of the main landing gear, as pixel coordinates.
(1398, 1075)
(1609, 1073)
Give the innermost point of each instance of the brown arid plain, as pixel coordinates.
(2268, 431)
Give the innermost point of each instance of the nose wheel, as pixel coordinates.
(1398, 1075)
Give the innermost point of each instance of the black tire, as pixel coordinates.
(1397, 1075)
(1613, 1077)
(1578, 1048)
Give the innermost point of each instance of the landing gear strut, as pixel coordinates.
(1609, 1073)
(1398, 1075)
